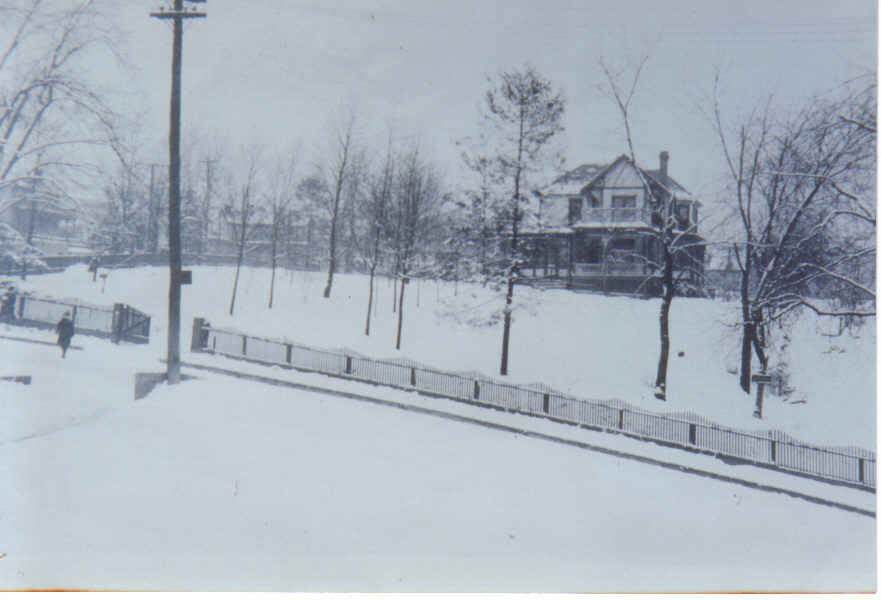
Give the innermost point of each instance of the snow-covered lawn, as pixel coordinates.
(225, 484)
(587, 345)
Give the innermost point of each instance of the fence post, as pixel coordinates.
(73, 315)
(118, 316)
(21, 306)
(197, 343)
(348, 365)
(621, 419)
(287, 353)
(476, 390)
(862, 468)
(773, 451)
(244, 345)
(413, 376)
(692, 434)
(546, 403)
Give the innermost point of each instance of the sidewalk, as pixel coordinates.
(862, 501)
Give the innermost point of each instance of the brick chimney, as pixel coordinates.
(665, 159)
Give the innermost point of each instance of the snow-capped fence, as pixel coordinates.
(686, 430)
(119, 322)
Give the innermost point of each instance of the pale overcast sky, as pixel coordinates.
(277, 71)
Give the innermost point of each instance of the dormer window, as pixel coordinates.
(575, 205)
(682, 214)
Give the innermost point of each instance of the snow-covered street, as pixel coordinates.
(226, 484)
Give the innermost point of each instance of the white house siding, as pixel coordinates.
(623, 180)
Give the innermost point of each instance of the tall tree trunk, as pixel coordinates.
(515, 223)
(748, 325)
(401, 312)
(235, 285)
(241, 256)
(274, 262)
(666, 301)
(32, 222)
(509, 299)
(272, 277)
(370, 299)
(331, 265)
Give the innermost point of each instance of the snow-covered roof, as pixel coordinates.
(572, 182)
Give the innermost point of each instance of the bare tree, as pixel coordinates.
(49, 107)
(481, 218)
(339, 176)
(417, 198)
(374, 213)
(279, 199)
(680, 249)
(245, 211)
(124, 226)
(522, 113)
(803, 233)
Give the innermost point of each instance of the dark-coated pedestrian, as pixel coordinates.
(64, 329)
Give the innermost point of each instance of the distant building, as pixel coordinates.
(52, 227)
(294, 243)
(596, 227)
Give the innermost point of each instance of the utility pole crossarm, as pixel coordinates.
(173, 14)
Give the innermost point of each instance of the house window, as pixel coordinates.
(593, 250)
(574, 210)
(588, 249)
(623, 208)
(682, 210)
(622, 250)
(623, 244)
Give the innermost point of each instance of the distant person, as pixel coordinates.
(64, 329)
(7, 305)
(93, 267)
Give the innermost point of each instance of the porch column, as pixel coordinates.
(571, 242)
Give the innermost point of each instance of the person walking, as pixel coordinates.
(64, 329)
(93, 267)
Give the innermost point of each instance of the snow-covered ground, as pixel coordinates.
(226, 484)
(587, 345)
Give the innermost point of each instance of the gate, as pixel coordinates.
(130, 325)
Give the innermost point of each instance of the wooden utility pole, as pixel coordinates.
(177, 16)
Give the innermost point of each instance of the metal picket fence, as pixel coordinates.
(119, 322)
(686, 430)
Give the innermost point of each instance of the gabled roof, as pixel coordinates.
(575, 179)
(572, 182)
(668, 182)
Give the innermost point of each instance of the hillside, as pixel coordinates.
(587, 345)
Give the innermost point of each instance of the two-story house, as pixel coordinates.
(599, 227)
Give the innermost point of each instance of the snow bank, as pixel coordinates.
(586, 345)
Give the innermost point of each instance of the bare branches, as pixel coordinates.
(869, 127)
(622, 96)
(49, 106)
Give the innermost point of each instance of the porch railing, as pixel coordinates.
(613, 216)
